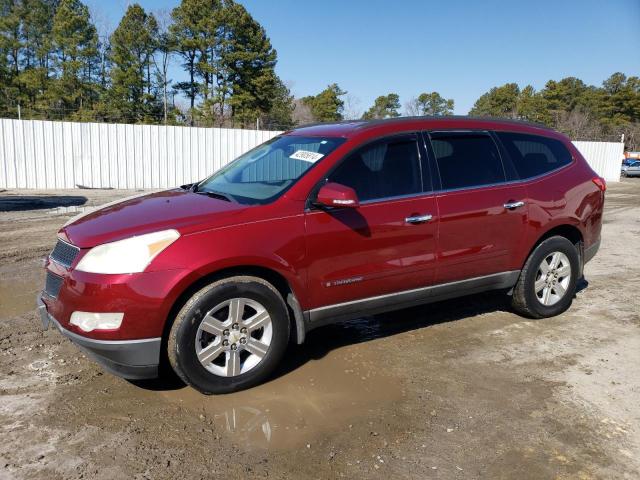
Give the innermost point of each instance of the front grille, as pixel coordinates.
(52, 285)
(64, 253)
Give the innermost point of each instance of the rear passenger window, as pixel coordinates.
(533, 155)
(382, 170)
(467, 160)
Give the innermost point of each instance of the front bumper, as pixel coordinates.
(132, 359)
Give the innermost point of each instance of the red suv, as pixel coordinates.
(317, 225)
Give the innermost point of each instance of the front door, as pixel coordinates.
(388, 244)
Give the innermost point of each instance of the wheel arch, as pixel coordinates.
(277, 279)
(567, 230)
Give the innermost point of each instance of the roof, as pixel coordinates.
(350, 128)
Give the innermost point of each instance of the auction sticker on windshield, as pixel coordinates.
(306, 156)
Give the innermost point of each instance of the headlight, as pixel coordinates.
(131, 255)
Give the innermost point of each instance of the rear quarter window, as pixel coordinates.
(533, 155)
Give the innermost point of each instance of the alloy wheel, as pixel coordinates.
(234, 337)
(552, 278)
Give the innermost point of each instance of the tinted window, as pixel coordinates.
(385, 169)
(533, 155)
(466, 160)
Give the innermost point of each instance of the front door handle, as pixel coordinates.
(419, 219)
(513, 205)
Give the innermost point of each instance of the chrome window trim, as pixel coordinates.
(461, 189)
(385, 199)
(398, 197)
(509, 183)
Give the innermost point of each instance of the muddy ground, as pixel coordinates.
(460, 389)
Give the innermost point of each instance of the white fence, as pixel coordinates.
(604, 157)
(42, 154)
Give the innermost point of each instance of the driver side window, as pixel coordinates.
(389, 168)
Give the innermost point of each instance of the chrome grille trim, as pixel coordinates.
(64, 253)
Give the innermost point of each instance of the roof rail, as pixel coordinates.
(362, 124)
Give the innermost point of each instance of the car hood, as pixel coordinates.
(182, 210)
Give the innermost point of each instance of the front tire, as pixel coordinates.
(230, 335)
(547, 283)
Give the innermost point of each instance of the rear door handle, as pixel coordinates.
(513, 205)
(419, 219)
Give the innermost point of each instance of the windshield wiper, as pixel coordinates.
(219, 196)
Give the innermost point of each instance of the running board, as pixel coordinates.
(408, 298)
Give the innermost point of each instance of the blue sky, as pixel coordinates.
(458, 48)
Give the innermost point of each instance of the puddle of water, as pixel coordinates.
(336, 379)
(18, 292)
(314, 399)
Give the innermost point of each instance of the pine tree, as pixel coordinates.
(75, 47)
(280, 116)
(327, 106)
(621, 98)
(385, 106)
(187, 31)
(532, 106)
(37, 24)
(498, 102)
(247, 61)
(229, 59)
(564, 95)
(432, 103)
(132, 97)
(10, 45)
(162, 59)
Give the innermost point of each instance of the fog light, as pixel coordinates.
(87, 321)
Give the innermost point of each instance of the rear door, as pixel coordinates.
(482, 211)
(388, 244)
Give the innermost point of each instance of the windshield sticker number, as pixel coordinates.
(306, 156)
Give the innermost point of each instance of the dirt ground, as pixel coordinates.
(460, 389)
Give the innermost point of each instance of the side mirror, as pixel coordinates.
(337, 196)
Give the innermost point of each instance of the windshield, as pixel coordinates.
(264, 173)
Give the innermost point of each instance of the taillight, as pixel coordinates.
(600, 183)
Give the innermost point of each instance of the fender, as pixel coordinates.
(244, 249)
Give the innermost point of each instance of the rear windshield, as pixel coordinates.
(264, 173)
(533, 155)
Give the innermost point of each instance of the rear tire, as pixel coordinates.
(547, 283)
(229, 336)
